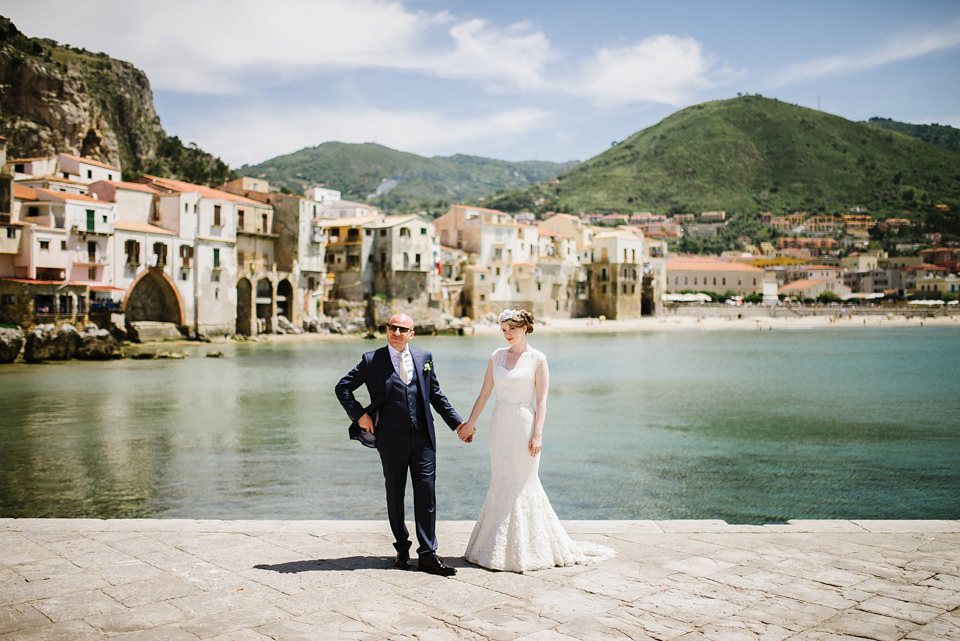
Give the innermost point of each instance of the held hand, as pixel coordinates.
(535, 445)
(365, 423)
(466, 432)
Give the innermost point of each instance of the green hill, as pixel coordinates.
(753, 154)
(943, 135)
(396, 180)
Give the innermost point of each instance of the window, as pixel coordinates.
(603, 290)
(383, 233)
(404, 232)
(92, 273)
(240, 221)
(33, 211)
(12, 232)
(160, 254)
(132, 249)
(423, 231)
(186, 208)
(724, 281)
(89, 173)
(91, 251)
(685, 281)
(754, 282)
(63, 245)
(416, 261)
(19, 168)
(353, 234)
(91, 220)
(216, 216)
(694, 280)
(66, 304)
(264, 224)
(81, 304)
(624, 288)
(216, 258)
(8, 299)
(44, 245)
(186, 253)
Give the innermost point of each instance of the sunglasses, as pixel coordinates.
(399, 330)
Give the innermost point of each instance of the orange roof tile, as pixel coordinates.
(90, 161)
(125, 225)
(206, 192)
(710, 266)
(61, 195)
(805, 283)
(24, 193)
(120, 184)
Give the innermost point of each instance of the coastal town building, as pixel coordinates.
(67, 167)
(348, 256)
(811, 288)
(615, 276)
(716, 277)
(873, 281)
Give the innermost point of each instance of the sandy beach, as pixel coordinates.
(730, 322)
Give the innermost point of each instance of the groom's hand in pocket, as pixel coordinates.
(365, 423)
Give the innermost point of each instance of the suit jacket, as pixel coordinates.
(376, 371)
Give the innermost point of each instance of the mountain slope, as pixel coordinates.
(943, 135)
(398, 180)
(754, 154)
(59, 99)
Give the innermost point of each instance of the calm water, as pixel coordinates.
(750, 427)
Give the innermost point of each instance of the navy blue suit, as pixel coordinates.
(405, 435)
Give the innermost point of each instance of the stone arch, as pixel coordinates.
(244, 307)
(153, 296)
(285, 299)
(264, 300)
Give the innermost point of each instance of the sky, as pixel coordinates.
(558, 80)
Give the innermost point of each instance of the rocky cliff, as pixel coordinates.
(58, 99)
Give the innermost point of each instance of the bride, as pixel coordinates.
(517, 529)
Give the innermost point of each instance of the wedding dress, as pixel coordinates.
(517, 529)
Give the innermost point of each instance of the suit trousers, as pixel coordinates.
(400, 451)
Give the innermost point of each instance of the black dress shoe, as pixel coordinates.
(403, 561)
(435, 565)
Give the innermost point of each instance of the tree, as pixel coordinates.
(828, 297)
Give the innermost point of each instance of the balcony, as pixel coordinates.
(87, 260)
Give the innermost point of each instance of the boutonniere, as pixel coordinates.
(428, 367)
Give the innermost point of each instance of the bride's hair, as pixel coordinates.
(518, 318)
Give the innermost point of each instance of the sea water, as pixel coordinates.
(749, 427)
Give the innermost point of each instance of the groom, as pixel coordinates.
(403, 385)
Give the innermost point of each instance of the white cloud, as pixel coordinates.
(516, 55)
(898, 48)
(251, 136)
(665, 69)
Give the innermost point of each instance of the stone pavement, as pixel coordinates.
(173, 580)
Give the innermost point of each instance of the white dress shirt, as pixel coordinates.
(402, 363)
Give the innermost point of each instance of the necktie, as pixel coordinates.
(402, 370)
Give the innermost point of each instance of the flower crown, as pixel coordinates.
(510, 314)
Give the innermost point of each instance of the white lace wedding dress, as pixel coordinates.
(517, 529)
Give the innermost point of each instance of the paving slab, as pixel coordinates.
(184, 580)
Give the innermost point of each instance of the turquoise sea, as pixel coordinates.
(749, 427)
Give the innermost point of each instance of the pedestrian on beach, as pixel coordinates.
(403, 386)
